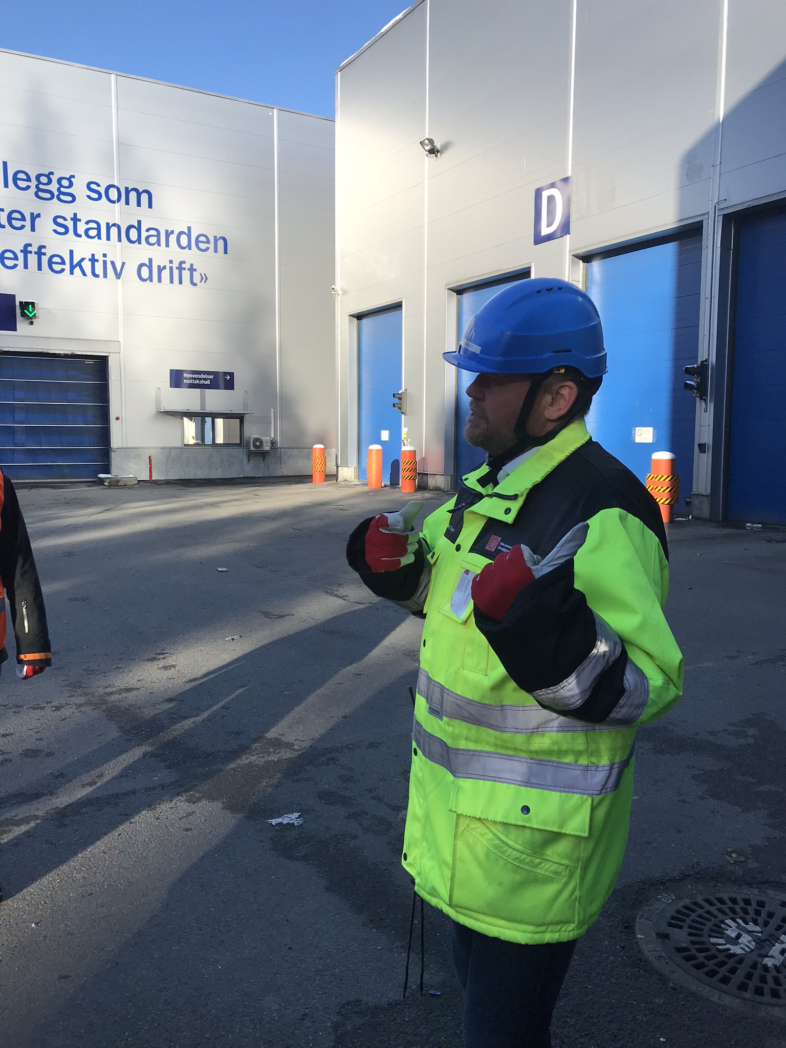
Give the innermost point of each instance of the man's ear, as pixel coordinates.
(559, 399)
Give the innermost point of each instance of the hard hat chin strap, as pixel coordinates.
(524, 440)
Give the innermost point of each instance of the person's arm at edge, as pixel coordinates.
(22, 585)
(599, 647)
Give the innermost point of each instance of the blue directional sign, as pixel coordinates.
(179, 379)
(552, 211)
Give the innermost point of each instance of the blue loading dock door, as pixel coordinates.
(54, 421)
(379, 377)
(470, 301)
(649, 304)
(757, 454)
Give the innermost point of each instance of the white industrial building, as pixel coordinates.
(178, 247)
(635, 148)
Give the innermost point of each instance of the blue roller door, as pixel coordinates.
(470, 301)
(757, 458)
(53, 417)
(379, 377)
(649, 303)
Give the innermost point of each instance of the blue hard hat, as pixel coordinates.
(530, 327)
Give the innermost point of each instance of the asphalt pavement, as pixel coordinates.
(148, 902)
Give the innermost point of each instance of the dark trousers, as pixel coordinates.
(509, 989)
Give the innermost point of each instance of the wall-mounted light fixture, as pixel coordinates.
(430, 147)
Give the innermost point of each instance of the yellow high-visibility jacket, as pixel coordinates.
(523, 740)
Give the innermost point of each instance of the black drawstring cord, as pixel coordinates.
(422, 944)
(409, 943)
(412, 922)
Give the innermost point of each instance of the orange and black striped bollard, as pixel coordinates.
(409, 470)
(663, 483)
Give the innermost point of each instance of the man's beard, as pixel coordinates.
(490, 440)
(475, 440)
(478, 435)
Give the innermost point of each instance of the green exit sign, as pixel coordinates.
(28, 311)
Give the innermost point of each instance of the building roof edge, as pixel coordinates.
(385, 29)
(166, 83)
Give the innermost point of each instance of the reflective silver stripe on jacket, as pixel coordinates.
(511, 719)
(634, 699)
(590, 780)
(576, 688)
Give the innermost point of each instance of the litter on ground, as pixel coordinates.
(293, 819)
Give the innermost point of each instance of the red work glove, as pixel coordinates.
(386, 550)
(26, 672)
(495, 588)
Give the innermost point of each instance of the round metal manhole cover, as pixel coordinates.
(730, 947)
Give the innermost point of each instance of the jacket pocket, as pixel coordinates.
(510, 875)
(493, 837)
(475, 653)
(471, 648)
(560, 815)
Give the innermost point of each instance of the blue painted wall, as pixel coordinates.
(467, 457)
(54, 422)
(379, 377)
(757, 462)
(649, 303)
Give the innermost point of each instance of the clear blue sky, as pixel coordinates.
(283, 52)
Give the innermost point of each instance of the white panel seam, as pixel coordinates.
(119, 256)
(277, 248)
(571, 97)
(426, 160)
(702, 464)
(339, 438)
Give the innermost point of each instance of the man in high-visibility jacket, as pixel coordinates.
(544, 647)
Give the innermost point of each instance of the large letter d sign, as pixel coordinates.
(552, 211)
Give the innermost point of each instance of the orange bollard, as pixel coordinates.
(663, 483)
(374, 466)
(409, 470)
(318, 463)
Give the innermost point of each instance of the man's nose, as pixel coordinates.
(475, 390)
